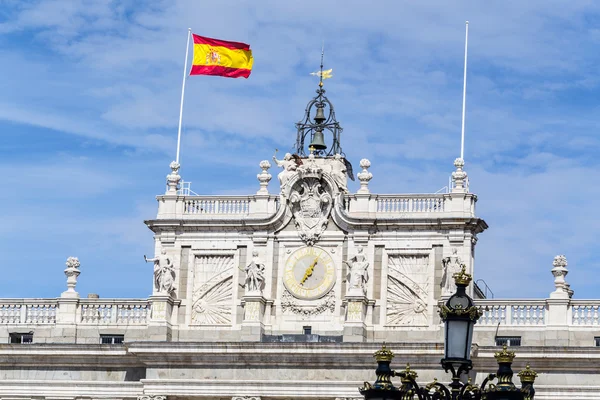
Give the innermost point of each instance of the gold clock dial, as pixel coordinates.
(309, 273)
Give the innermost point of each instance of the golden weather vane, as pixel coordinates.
(323, 74)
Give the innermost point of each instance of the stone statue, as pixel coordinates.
(164, 272)
(338, 172)
(450, 266)
(358, 275)
(255, 275)
(289, 166)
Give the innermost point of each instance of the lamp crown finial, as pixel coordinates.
(504, 356)
(383, 354)
(527, 375)
(462, 278)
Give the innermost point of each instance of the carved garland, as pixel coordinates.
(288, 303)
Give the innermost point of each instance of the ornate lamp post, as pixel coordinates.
(459, 315)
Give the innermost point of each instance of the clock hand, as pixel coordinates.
(309, 270)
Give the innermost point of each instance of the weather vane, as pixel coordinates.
(323, 74)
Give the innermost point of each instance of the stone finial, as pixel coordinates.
(173, 178)
(459, 177)
(559, 272)
(72, 272)
(364, 176)
(264, 177)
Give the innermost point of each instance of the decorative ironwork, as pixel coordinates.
(504, 388)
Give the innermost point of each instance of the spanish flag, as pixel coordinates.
(222, 58)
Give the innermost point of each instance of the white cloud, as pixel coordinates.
(110, 72)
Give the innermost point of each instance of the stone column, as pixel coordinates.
(68, 302)
(557, 333)
(459, 177)
(264, 177)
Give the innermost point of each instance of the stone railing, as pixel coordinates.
(215, 205)
(89, 311)
(28, 311)
(225, 207)
(585, 312)
(415, 203)
(512, 312)
(112, 311)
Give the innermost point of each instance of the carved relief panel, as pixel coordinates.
(407, 290)
(212, 298)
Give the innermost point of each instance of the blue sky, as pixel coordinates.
(89, 103)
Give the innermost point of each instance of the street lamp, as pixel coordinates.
(460, 315)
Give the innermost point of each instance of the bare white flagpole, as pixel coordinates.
(462, 134)
(187, 49)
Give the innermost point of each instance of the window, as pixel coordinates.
(597, 341)
(112, 339)
(23, 338)
(508, 340)
(307, 330)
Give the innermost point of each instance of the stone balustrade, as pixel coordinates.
(384, 205)
(28, 311)
(512, 312)
(415, 205)
(222, 207)
(506, 312)
(409, 204)
(584, 312)
(217, 205)
(89, 311)
(120, 312)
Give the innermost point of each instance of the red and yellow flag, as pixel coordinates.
(222, 58)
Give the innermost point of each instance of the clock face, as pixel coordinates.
(309, 273)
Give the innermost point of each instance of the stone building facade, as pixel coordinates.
(287, 295)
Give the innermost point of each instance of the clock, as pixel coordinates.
(309, 273)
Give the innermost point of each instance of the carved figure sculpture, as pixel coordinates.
(289, 166)
(358, 275)
(338, 172)
(450, 266)
(164, 272)
(255, 274)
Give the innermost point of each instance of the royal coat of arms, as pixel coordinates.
(311, 204)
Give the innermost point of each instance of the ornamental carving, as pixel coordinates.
(311, 202)
(290, 304)
(407, 290)
(213, 294)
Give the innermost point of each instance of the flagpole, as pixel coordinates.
(462, 134)
(187, 49)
